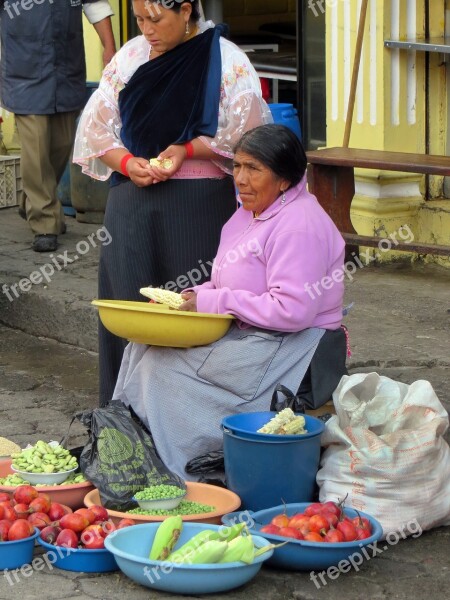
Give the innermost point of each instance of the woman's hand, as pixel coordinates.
(175, 153)
(190, 302)
(139, 172)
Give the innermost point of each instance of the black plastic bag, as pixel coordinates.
(295, 403)
(119, 458)
(206, 463)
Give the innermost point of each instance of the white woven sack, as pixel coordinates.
(385, 451)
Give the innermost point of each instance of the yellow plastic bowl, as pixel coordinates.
(158, 325)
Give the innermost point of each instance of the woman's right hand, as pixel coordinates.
(139, 172)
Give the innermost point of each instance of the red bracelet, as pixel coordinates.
(189, 149)
(123, 164)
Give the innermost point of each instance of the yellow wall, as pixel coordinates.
(395, 97)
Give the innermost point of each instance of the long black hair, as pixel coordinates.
(278, 148)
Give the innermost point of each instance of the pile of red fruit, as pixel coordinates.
(319, 522)
(58, 524)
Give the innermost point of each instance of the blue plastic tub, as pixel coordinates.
(286, 114)
(300, 555)
(267, 470)
(14, 555)
(80, 559)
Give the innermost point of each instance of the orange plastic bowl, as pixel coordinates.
(203, 493)
(69, 494)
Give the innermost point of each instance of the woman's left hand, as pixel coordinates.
(175, 153)
(190, 302)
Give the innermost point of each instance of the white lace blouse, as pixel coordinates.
(241, 106)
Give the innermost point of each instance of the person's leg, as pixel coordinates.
(38, 176)
(126, 264)
(63, 129)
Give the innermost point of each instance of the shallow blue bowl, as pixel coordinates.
(131, 547)
(299, 555)
(80, 559)
(14, 555)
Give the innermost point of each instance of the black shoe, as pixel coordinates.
(22, 213)
(45, 243)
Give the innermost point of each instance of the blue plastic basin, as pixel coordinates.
(131, 547)
(14, 555)
(265, 470)
(80, 559)
(299, 555)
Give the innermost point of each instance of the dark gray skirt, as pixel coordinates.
(165, 234)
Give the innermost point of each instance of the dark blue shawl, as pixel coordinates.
(173, 98)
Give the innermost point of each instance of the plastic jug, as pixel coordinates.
(286, 114)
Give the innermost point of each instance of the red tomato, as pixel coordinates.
(313, 536)
(319, 524)
(92, 537)
(125, 523)
(313, 509)
(290, 532)
(5, 525)
(348, 530)
(332, 507)
(362, 533)
(280, 520)
(334, 536)
(20, 530)
(362, 522)
(331, 518)
(271, 528)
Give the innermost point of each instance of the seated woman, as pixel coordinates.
(279, 271)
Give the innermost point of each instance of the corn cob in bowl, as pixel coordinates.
(162, 296)
(189, 573)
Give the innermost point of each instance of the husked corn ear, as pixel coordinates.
(294, 427)
(164, 163)
(207, 553)
(223, 534)
(286, 422)
(241, 549)
(165, 538)
(172, 299)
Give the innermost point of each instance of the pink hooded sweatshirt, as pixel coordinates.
(282, 270)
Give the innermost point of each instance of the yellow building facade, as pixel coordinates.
(401, 105)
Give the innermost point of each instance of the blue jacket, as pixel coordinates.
(42, 66)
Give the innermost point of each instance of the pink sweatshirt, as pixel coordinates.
(282, 270)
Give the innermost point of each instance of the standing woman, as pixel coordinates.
(179, 92)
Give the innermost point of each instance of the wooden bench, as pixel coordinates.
(331, 179)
